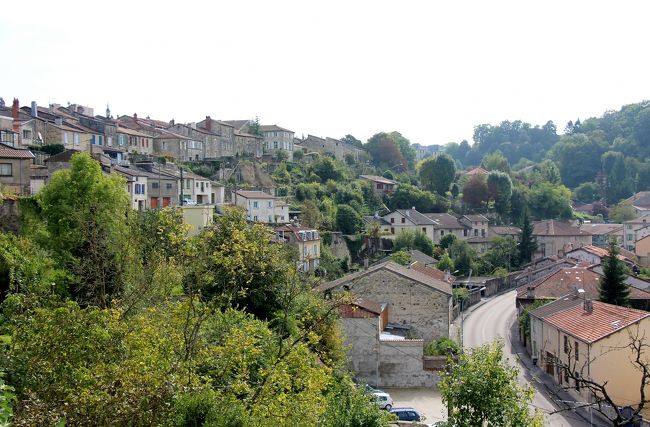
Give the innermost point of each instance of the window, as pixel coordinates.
(169, 186)
(65, 138)
(270, 204)
(188, 184)
(255, 218)
(270, 218)
(255, 206)
(483, 232)
(442, 233)
(154, 185)
(380, 186)
(630, 237)
(629, 226)
(275, 145)
(27, 134)
(403, 220)
(109, 140)
(424, 230)
(76, 139)
(101, 139)
(475, 232)
(465, 232)
(575, 349)
(566, 344)
(566, 375)
(392, 220)
(197, 185)
(5, 169)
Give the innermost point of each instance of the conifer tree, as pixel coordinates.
(528, 242)
(613, 289)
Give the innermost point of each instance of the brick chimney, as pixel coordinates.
(135, 117)
(588, 306)
(208, 123)
(15, 108)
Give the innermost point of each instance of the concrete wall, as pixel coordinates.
(401, 365)
(362, 343)
(19, 180)
(425, 310)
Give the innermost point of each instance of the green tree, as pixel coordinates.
(613, 289)
(445, 263)
(327, 169)
(496, 161)
(401, 257)
(550, 201)
(84, 217)
(587, 192)
(281, 155)
(385, 152)
(310, 215)
(483, 389)
(254, 127)
(622, 212)
(527, 241)
(503, 253)
(447, 240)
(349, 139)
(577, 149)
(348, 221)
(500, 191)
(437, 173)
(550, 172)
(463, 256)
(411, 239)
(408, 196)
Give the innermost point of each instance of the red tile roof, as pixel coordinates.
(8, 152)
(432, 272)
(565, 280)
(603, 320)
(598, 251)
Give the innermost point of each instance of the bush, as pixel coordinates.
(442, 347)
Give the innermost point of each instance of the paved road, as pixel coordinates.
(495, 318)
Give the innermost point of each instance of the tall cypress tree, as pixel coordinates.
(613, 289)
(528, 242)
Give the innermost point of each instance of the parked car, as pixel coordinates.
(189, 202)
(406, 414)
(370, 389)
(383, 400)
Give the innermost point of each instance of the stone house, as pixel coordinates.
(640, 202)
(381, 185)
(594, 255)
(556, 238)
(307, 243)
(261, 207)
(133, 141)
(409, 219)
(15, 172)
(222, 141)
(634, 230)
(642, 250)
(602, 233)
(592, 338)
(162, 188)
(447, 224)
(136, 186)
(334, 147)
(176, 146)
(416, 302)
(277, 138)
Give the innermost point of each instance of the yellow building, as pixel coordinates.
(306, 241)
(591, 340)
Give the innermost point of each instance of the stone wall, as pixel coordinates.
(424, 309)
(401, 365)
(9, 215)
(361, 341)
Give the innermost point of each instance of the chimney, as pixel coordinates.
(589, 306)
(172, 122)
(530, 292)
(15, 107)
(447, 275)
(208, 123)
(34, 109)
(135, 117)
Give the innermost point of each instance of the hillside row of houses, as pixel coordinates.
(77, 127)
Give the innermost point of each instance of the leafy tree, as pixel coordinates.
(437, 173)
(385, 152)
(622, 212)
(483, 389)
(587, 192)
(496, 161)
(310, 215)
(254, 127)
(401, 257)
(447, 240)
(475, 192)
(455, 190)
(348, 221)
(528, 241)
(405, 148)
(550, 172)
(463, 256)
(84, 222)
(577, 149)
(613, 289)
(327, 169)
(50, 149)
(445, 263)
(298, 155)
(549, 201)
(407, 196)
(500, 191)
(281, 155)
(503, 253)
(410, 239)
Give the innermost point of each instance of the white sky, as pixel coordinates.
(429, 69)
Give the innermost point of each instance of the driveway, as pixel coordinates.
(427, 401)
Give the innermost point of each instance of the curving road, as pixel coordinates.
(495, 318)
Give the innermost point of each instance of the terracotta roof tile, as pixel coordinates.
(603, 320)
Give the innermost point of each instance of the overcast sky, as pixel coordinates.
(430, 70)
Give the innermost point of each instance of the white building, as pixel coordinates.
(262, 207)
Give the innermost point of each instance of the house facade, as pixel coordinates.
(15, 172)
(307, 243)
(557, 237)
(418, 302)
(409, 219)
(602, 233)
(381, 185)
(635, 229)
(277, 138)
(591, 340)
(262, 207)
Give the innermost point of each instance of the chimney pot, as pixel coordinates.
(34, 109)
(208, 123)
